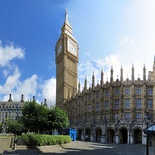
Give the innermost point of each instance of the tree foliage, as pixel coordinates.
(15, 127)
(57, 119)
(1, 127)
(36, 117)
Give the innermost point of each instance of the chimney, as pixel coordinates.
(45, 104)
(10, 100)
(34, 99)
(22, 98)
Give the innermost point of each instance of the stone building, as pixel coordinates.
(11, 110)
(109, 112)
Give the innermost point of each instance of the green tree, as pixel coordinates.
(57, 119)
(1, 127)
(34, 116)
(15, 127)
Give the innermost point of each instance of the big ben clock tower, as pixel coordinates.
(66, 52)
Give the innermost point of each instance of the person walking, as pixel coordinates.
(86, 138)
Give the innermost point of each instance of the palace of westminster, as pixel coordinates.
(109, 112)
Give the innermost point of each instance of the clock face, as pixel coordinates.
(72, 48)
(59, 48)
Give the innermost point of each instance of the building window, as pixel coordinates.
(138, 91)
(97, 118)
(97, 106)
(138, 116)
(127, 90)
(97, 95)
(150, 91)
(89, 96)
(150, 103)
(106, 105)
(138, 103)
(89, 108)
(127, 103)
(82, 99)
(82, 110)
(116, 91)
(116, 104)
(106, 93)
(127, 115)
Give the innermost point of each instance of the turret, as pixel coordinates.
(112, 72)
(93, 81)
(22, 98)
(121, 76)
(79, 87)
(10, 99)
(144, 73)
(132, 75)
(85, 85)
(102, 78)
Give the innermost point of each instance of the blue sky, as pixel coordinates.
(109, 33)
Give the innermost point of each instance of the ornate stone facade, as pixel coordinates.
(109, 112)
(11, 110)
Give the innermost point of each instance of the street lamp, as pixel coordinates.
(147, 120)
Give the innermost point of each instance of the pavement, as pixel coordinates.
(82, 148)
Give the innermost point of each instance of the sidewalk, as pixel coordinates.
(82, 148)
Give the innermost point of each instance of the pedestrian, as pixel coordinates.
(86, 138)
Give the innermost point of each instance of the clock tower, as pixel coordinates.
(66, 51)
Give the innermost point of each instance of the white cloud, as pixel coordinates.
(28, 88)
(87, 53)
(11, 82)
(48, 89)
(126, 41)
(9, 52)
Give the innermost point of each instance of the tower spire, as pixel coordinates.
(144, 73)
(93, 81)
(132, 76)
(66, 16)
(111, 78)
(121, 77)
(102, 76)
(66, 28)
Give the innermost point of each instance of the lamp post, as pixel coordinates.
(147, 120)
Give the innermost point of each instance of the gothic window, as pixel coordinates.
(138, 116)
(89, 108)
(138, 103)
(82, 99)
(82, 110)
(127, 90)
(150, 103)
(106, 117)
(106, 93)
(116, 104)
(97, 94)
(150, 91)
(116, 91)
(89, 96)
(106, 105)
(97, 106)
(127, 115)
(97, 118)
(127, 103)
(138, 91)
